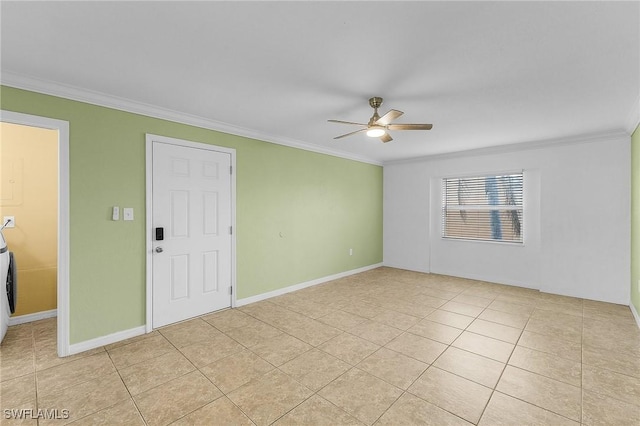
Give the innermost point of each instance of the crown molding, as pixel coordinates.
(633, 120)
(70, 92)
(616, 135)
(74, 93)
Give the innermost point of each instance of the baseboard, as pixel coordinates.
(36, 316)
(406, 268)
(76, 348)
(300, 286)
(635, 313)
(479, 277)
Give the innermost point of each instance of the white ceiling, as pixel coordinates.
(484, 73)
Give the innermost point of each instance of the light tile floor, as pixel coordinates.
(384, 347)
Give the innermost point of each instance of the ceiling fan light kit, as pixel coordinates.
(378, 127)
(376, 132)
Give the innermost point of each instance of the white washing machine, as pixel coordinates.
(8, 282)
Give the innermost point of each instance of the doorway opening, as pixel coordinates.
(35, 194)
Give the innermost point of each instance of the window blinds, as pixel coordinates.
(485, 208)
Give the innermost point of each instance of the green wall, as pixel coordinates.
(322, 205)
(635, 219)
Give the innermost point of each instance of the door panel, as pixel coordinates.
(179, 277)
(179, 214)
(210, 267)
(210, 213)
(192, 201)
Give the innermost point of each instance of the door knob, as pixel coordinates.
(158, 249)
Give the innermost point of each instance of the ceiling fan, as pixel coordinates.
(379, 126)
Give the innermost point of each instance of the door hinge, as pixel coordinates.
(231, 290)
(230, 170)
(231, 230)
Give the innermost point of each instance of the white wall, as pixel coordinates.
(576, 218)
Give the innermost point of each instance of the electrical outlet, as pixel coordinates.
(10, 221)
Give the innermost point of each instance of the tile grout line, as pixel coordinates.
(224, 394)
(528, 402)
(196, 368)
(135, 404)
(494, 389)
(582, 368)
(451, 345)
(514, 346)
(430, 365)
(161, 384)
(35, 372)
(352, 367)
(389, 407)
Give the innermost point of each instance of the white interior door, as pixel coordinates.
(192, 206)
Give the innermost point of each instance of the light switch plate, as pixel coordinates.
(115, 213)
(127, 213)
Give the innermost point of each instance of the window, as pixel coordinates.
(486, 208)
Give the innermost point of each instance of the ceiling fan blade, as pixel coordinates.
(386, 138)
(410, 126)
(389, 117)
(346, 122)
(349, 134)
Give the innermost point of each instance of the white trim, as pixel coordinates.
(63, 214)
(633, 120)
(300, 286)
(611, 136)
(405, 268)
(102, 99)
(635, 314)
(48, 87)
(492, 279)
(148, 233)
(150, 140)
(98, 342)
(36, 316)
(234, 263)
(482, 174)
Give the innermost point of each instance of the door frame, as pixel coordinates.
(63, 304)
(150, 140)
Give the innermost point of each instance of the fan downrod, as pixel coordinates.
(375, 103)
